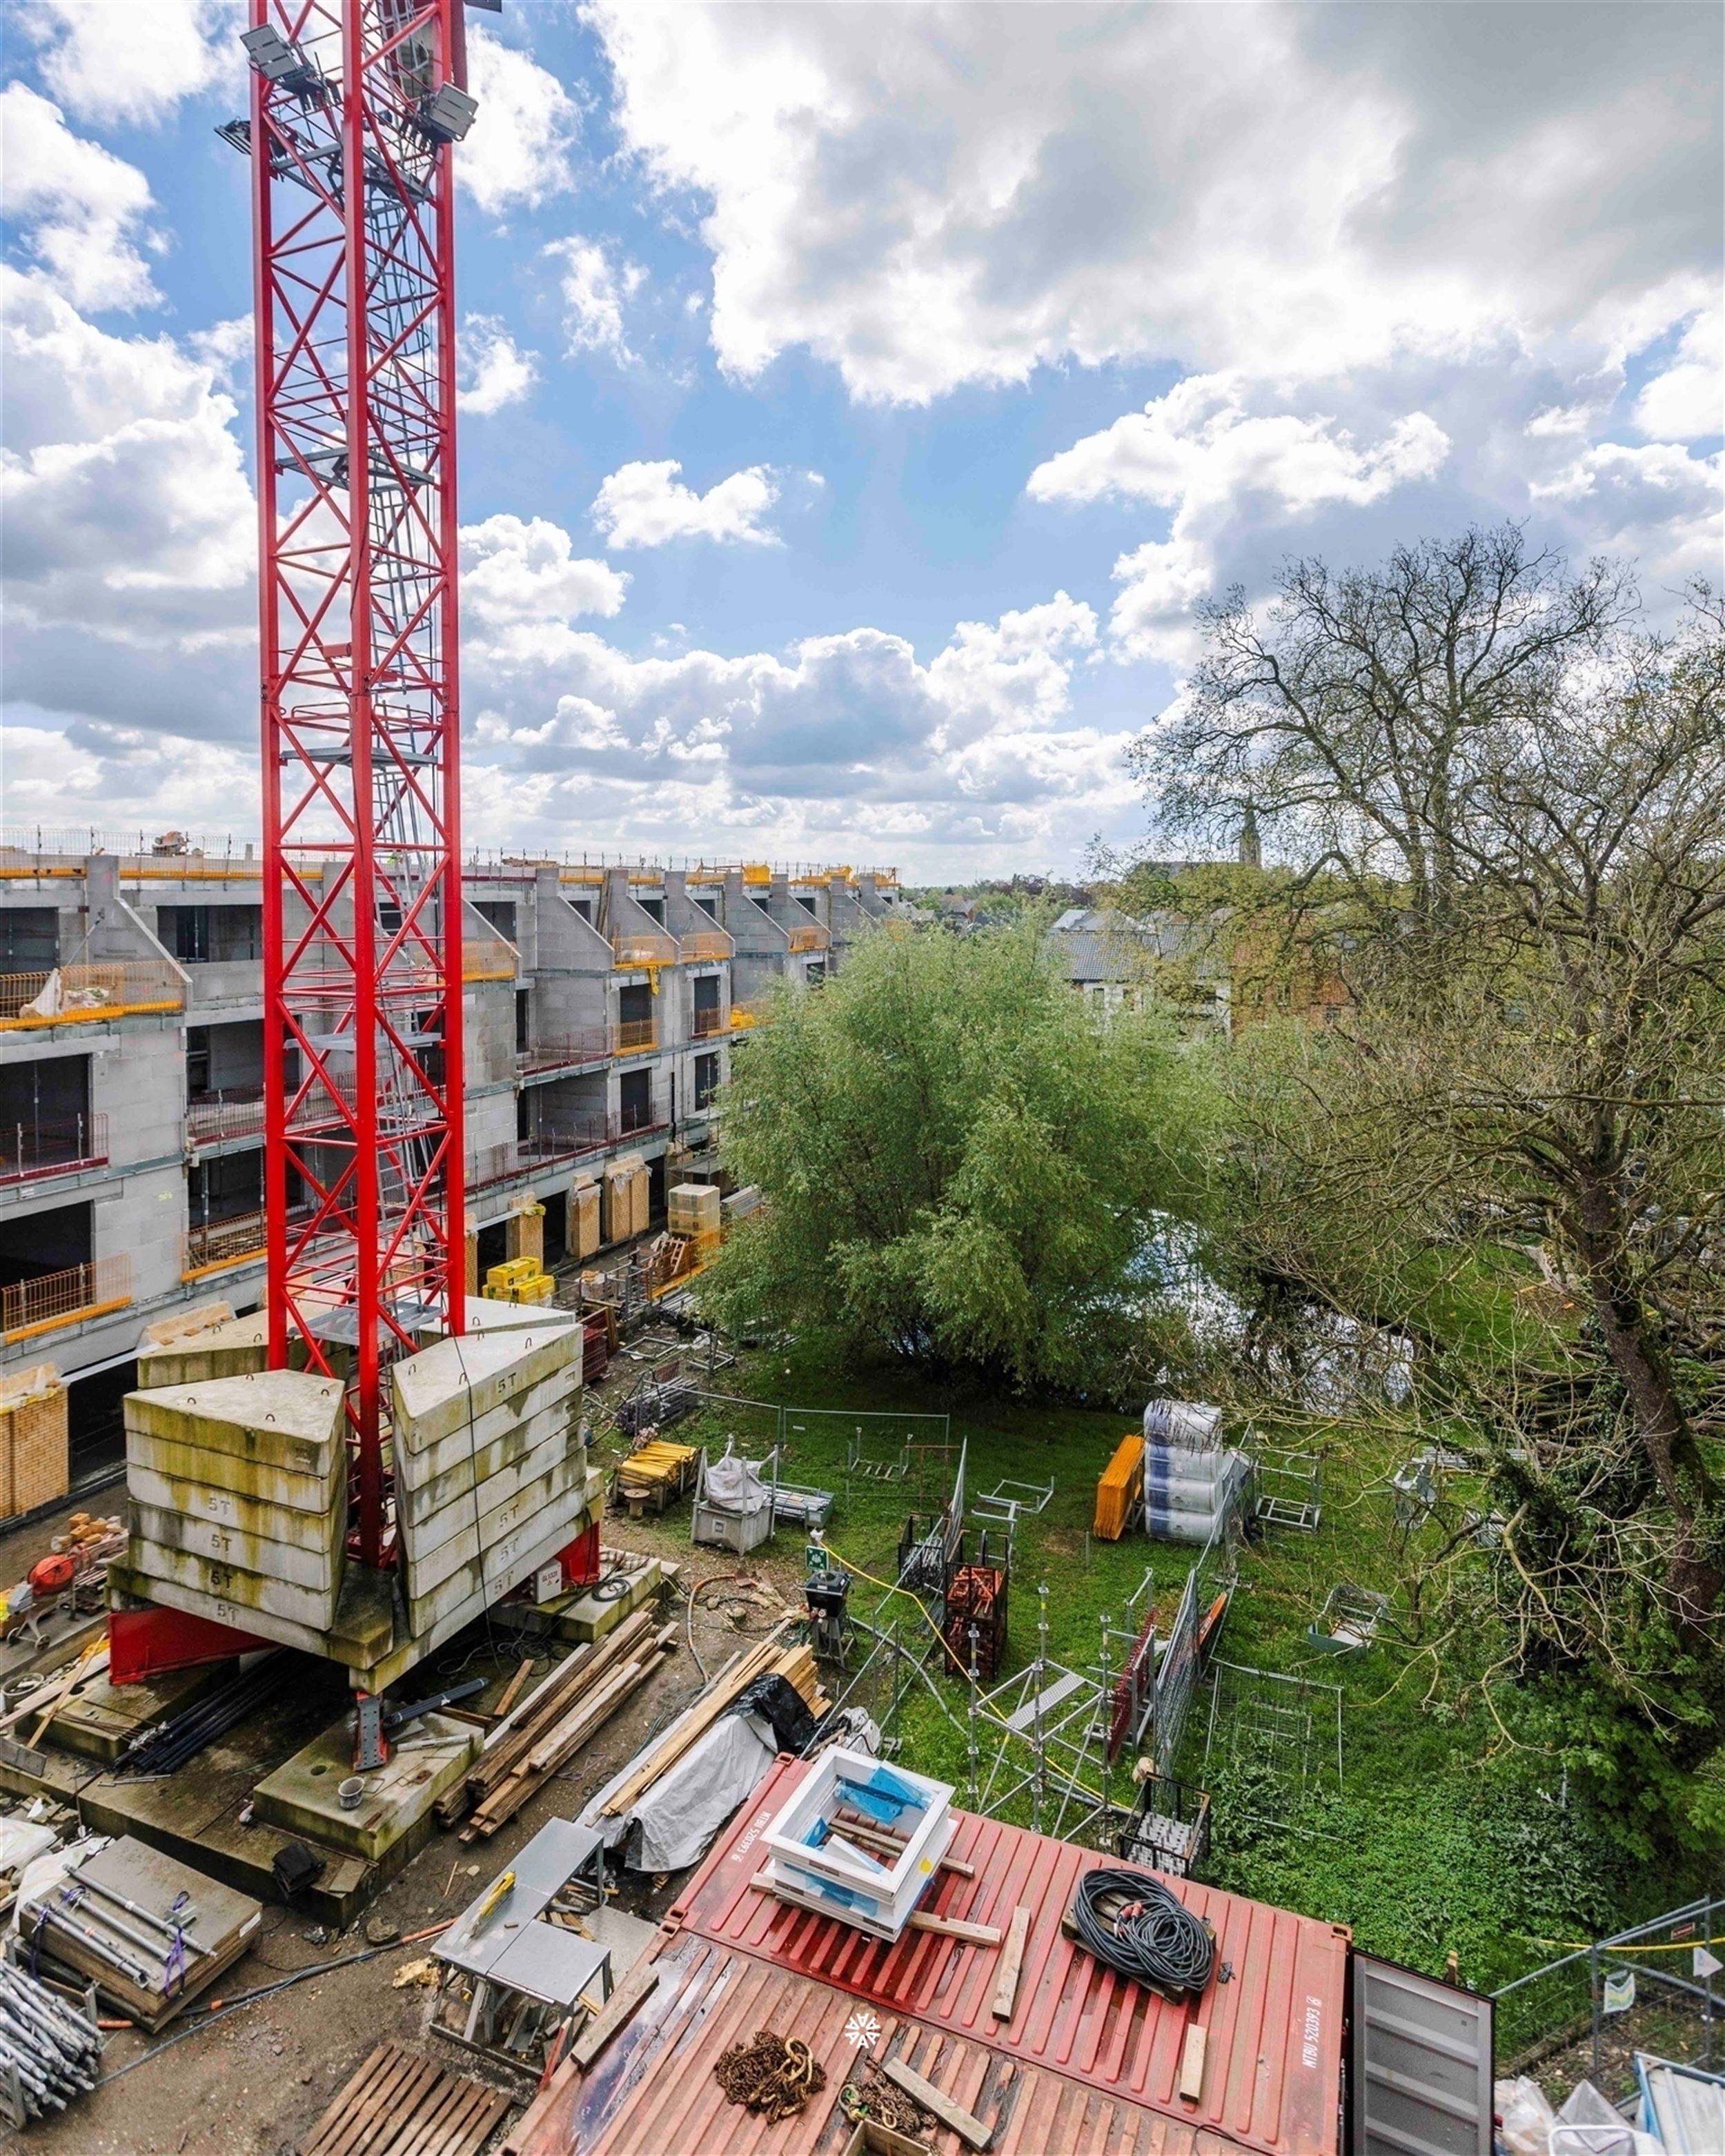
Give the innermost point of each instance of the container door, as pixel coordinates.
(1421, 2084)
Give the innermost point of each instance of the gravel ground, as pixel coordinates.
(253, 2082)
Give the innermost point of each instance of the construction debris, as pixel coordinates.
(775, 2075)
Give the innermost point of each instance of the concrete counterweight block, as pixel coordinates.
(239, 1493)
(490, 1470)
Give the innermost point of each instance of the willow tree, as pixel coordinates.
(961, 1163)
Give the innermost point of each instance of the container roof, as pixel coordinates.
(1272, 2077)
(651, 2092)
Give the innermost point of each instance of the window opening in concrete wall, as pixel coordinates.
(501, 912)
(42, 1243)
(211, 935)
(635, 1100)
(706, 1079)
(29, 939)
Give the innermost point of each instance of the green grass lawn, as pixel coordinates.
(1442, 1840)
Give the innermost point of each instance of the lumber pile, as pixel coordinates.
(551, 1723)
(768, 1658)
(653, 1477)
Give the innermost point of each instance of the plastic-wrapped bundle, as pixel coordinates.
(1190, 1425)
(1190, 1495)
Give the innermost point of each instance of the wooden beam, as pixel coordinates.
(965, 2124)
(1006, 1987)
(951, 1927)
(1192, 2064)
(622, 2002)
(513, 1689)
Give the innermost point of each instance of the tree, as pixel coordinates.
(1356, 727)
(961, 1165)
(1542, 1073)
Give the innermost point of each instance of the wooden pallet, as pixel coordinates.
(401, 2104)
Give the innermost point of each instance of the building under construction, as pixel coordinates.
(600, 1002)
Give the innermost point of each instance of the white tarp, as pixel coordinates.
(674, 1822)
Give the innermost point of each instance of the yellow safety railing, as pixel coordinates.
(706, 943)
(214, 1244)
(488, 960)
(73, 995)
(643, 947)
(813, 937)
(633, 1034)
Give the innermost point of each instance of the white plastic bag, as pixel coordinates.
(1527, 2118)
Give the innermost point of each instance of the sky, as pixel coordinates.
(856, 400)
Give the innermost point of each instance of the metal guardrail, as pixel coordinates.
(66, 1296)
(813, 937)
(556, 1145)
(223, 1242)
(710, 1023)
(703, 945)
(491, 960)
(644, 948)
(634, 1035)
(566, 1052)
(30, 1153)
(232, 1113)
(72, 995)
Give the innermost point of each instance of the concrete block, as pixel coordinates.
(236, 1348)
(300, 1793)
(453, 1537)
(251, 1593)
(308, 1563)
(99, 1721)
(590, 1616)
(301, 1523)
(484, 1579)
(484, 1316)
(190, 1466)
(528, 1450)
(287, 1418)
(443, 1387)
(557, 1396)
(199, 1601)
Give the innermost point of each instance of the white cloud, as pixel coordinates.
(515, 572)
(110, 60)
(646, 505)
(496, 372)
(77, 204)
(516, 154)
(1202, 451)
(593, 295)
(1687, 402)
(1654, 500)
(1292, 191)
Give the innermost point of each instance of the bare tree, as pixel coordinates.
(1356, 724)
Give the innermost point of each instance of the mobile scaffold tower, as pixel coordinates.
(355, 107)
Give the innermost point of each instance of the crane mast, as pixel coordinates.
(355, 107)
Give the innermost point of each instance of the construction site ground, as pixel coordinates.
(252, 2082)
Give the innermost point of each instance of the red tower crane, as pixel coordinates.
(355, 107)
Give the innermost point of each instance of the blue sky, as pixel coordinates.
(986, 341)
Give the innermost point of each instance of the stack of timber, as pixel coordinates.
(553, 1721)
(1120, 1492)
(238, 1500)
(490, 1472)
(655, 1476)
(33, 1446)
(769, 1658)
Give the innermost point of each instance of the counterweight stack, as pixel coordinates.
(355, 106)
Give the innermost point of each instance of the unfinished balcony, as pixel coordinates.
(87, 995)
(69, 1296)
(38, 1151)
(220, 1118)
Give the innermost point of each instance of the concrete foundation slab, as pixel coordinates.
(101, 1720)
(587, 1615)
(300, 1795)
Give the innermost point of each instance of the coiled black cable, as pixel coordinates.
(1132, 1921)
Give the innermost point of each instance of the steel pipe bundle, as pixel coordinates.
(54, 2052)
(165, 1747)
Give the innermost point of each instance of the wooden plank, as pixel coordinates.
(484, 2110)
(362, 2099)
(511, 1690)
(524, 2132)
(953, 1928)
(635, 1987)
(1006, 1987)
(317, 2146)
(965, 2124)
(378, 2130)
(1192, 2064)
(420, 2129)
(734, 1678)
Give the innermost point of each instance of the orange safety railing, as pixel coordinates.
(565, 1052)
(489, 959)
(633, 1036)
(69, 995)
(643, 947)
(707, 1022)
(63, 1298)
(57, 1146)
(222, 1242)
(813, 937)
(705, 944)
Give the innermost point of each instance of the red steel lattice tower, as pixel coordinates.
(355, 106)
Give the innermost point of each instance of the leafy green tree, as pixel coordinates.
(962, 1165)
